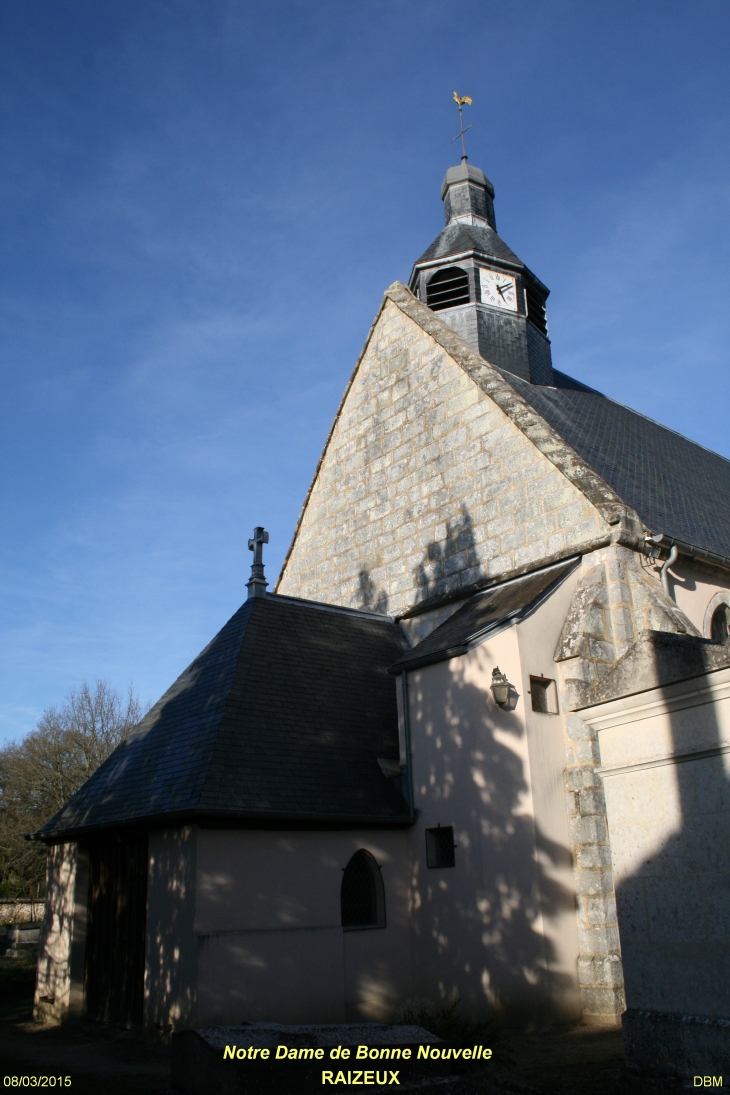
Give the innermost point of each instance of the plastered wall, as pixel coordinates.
(666, 775)
(171, 961)
(698, 591)
(498, 930)
(269, 935)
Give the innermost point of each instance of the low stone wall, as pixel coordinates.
(20, 911)
(21, 939)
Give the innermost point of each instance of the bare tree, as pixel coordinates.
(41, 772)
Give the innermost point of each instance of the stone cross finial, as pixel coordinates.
(257, 583)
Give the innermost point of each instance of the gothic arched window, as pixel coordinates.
(448, 287)
(362, 897)
(720, 626)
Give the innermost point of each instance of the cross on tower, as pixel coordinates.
(460, 103)
(257, 583)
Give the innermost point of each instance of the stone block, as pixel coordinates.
(589, 883)
(546, 485)
(597, 910)
(604, 940)
(605, 971)
(592, 801)
(588, 830)
(623, 623)
(602, 1001)
(577, 729)
(585, 531)
(528, 512)
(558, 499)
(556, 543)
(530, 554)
(461, 400)
(501, 524)
(587, 751)
(490, 485)
(454, 439)
(508, 446)
(512, 500)
(511, 540)
(519, 460)
(530, 473)
(577, 779)
(594, 855)
(460, 487)
(540, 527)
(500, 565)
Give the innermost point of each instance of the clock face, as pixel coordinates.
(499, 290)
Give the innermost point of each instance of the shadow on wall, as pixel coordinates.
(479, 927)
(171, 961)
(370, 598)
(669, 833)
(439, 572)
(445, 560)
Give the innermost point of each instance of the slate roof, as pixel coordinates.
(483, 614)
(457, 238)
(282, 716)
(675, 485)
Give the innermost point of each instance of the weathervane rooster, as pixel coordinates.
(460, 100)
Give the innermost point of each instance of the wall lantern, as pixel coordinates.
(500, 687)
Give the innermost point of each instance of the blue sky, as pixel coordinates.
(202, 204)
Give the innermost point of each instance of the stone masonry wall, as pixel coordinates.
(426, 486)
(612, 604)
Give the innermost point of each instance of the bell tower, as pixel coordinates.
(479, 286)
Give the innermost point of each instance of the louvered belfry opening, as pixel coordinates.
(536, 310)
(448, 288)
(115, 939)
(361, 897)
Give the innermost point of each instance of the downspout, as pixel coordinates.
(407, 735)
(671, 558)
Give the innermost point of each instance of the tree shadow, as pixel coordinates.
(444, 562)
(480, 929)
(669, 816)
(371, 599)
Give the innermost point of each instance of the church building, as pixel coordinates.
(474, 743)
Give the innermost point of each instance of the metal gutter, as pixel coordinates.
(689, 549)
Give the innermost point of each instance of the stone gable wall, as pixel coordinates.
(426, 486)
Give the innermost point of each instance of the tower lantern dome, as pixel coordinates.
(479, 286)
(468, 196)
